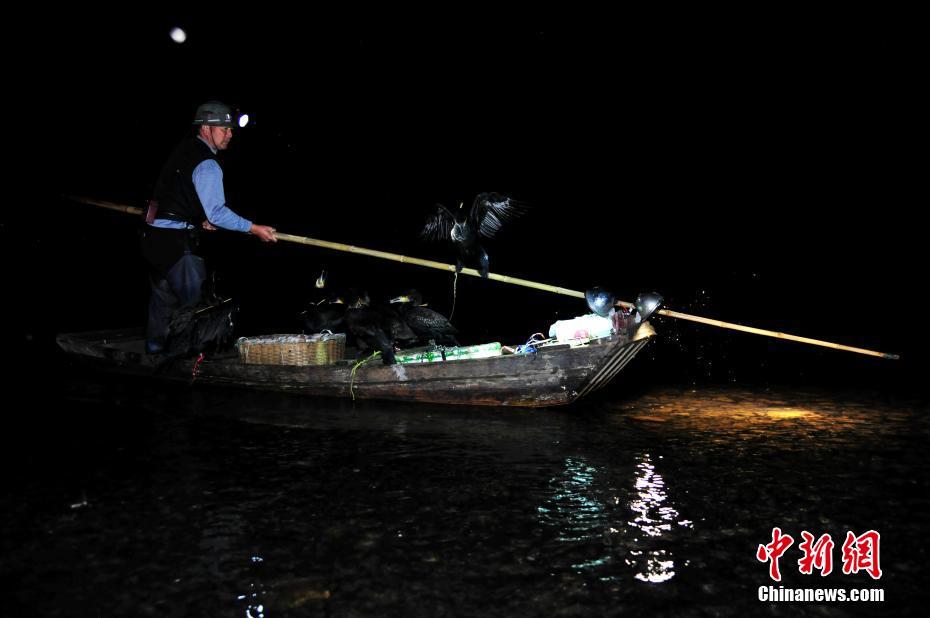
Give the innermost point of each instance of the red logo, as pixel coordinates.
(816, 555)
(860, 553)
(773, 551)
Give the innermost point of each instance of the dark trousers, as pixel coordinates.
(181, 288)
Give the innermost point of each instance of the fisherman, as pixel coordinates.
(188, 198)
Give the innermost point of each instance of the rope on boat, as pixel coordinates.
(196, 367)
(355, 368)
(530, 346)
(455, 286)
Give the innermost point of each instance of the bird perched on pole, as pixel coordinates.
(465, 227)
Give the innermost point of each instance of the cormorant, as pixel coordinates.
(377, 327)
(328, 314)
(370, 331)
(426, 323)
(200, 328)
(487, 213)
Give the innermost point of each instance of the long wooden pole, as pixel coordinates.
(132, 210)
(384, 255)
(574, 293)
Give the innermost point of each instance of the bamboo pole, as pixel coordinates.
(384, 255)
(777, 335)
(574, 293)
(132, 210)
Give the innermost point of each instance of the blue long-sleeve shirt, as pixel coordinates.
(208, 181)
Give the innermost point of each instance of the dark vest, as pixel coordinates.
(177, 201)
(174, 190)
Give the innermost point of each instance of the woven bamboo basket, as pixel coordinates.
(321, 349)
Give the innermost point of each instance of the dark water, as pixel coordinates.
(127, 498)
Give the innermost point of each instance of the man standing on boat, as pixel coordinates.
(188, 198)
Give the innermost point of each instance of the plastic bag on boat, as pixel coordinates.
(583, 327)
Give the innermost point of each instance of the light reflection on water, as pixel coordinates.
(742, 415)
(654, 517)
(651, 516)
(655, 502)
(572, 508)
(579, 513)
(255, 607)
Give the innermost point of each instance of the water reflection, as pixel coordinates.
(298, 510)
(595, 519)
(651, 516)
(654, 516)
(256, 611)
(656, 568)
(747, 413)
(255, 607)
(573, 509)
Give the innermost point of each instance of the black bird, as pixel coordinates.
(377, 327)
(205, 327)
(396, 326)
(429, 325)
(488, 212)
(202, 328)
(327, 314)
(370, 331)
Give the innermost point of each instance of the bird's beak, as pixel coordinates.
(400, 299)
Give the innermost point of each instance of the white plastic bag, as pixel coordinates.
(583, 327)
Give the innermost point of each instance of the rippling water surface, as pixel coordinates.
(136, 499)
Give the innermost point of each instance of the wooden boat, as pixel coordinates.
(553, 375)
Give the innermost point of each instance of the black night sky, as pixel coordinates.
(756, 172)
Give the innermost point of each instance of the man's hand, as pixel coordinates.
(208, 226)
(264, 232)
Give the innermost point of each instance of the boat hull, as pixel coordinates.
(555, 375)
